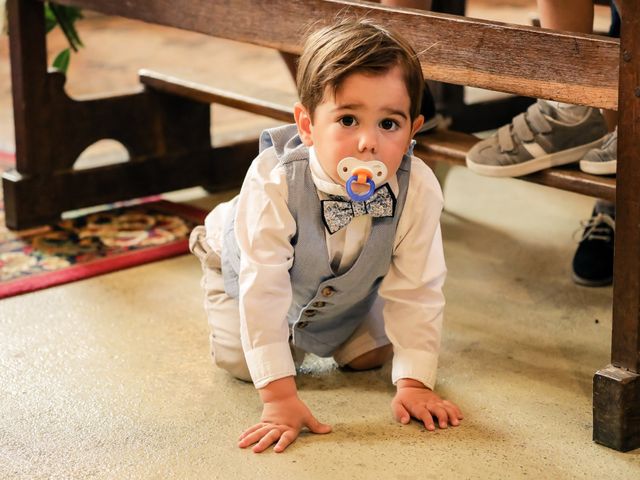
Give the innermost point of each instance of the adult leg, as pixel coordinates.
(421, 4)
(553, 15)
(593, 260)
(549, 133)
(568, 15)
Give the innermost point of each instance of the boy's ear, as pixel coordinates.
(417, 125)
(303, 121)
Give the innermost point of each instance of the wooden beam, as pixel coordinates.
(218, 168)
(206, 94)
(439, 146)
(575, 68)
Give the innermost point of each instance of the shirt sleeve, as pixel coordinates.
(264, 228)
(412, 289)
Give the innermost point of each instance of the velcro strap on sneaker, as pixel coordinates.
(504, 139)
(521, 128)
(536, 120)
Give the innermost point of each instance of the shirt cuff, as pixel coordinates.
(415, 364)
(269, 363)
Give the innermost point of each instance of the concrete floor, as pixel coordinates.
(110, 377)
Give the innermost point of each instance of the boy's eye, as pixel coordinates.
(347, 121)
(388, 124)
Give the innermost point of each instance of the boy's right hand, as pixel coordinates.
(283, 416)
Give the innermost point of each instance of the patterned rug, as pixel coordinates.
(91, 242)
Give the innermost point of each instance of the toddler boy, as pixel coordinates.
(292, 265)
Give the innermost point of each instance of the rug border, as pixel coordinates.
(110, 264)
(91, 269)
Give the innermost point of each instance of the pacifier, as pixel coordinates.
(371, 174)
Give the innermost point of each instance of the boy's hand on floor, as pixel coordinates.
(415, 400)
(283, 416)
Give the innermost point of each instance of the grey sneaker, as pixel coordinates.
(535, 140)
(603, 160)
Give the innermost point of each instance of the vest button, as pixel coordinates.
(302, 324)
(309, 313)
(318, 304)
(327, 291)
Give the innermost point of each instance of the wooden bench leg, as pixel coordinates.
(616, 408)
(616, 388)
(167, 137)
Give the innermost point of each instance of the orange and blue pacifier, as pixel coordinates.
(372, 174)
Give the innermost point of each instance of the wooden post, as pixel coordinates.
(28, 78)
(162, 133)
(616, 388)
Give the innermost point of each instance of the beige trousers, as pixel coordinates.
(223, 316)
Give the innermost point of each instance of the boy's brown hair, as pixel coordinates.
(333, 53)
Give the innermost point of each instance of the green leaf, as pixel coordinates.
(66, 16)
(72, 13)
(49, 19)
(61, 62)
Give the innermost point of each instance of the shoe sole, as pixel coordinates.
(599, 168)
(563, 157)
(592, 283)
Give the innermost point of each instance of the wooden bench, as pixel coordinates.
(165, 127)
(439, 146)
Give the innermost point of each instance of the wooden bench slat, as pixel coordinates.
(207, 94)
(452, 147)
(439, 146)
(459, 50)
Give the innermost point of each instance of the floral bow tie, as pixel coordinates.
(337, 212)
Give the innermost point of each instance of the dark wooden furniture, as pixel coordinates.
(165, 127)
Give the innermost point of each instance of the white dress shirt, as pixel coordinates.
(412, 289)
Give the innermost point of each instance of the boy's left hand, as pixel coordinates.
(415, 400)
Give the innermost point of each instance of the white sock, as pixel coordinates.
(568, 112)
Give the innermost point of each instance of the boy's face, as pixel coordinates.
(368, 119)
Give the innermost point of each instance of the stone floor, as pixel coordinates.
(110, 377)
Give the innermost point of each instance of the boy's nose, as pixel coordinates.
(367, 143)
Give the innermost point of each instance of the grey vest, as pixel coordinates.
(326, 308)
